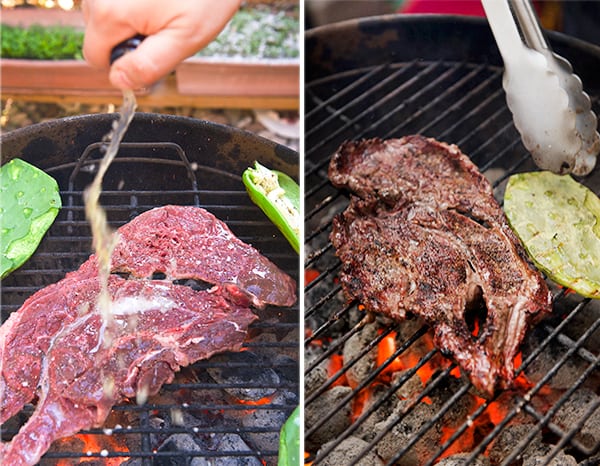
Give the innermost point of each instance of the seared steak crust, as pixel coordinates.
(423, 234)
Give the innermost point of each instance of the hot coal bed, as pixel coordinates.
(229, 409)
(377, 391)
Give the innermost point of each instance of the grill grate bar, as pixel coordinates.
(568, 437)
(437, 417)
(315, 255)
(371, 108)
(543, 381)
(327, 325)
(324, 203)
(421, 110)
(183, 454)
(330, 270)
(474, 113)
(314, 395)
(433, 383)
(459, 431)
(390, 392)
(557, 430)
(568, 342)
(311, 310)
(417, 97)
(317, 231)
(336, 113)
(545, 420)
(458, 105)
(212, 429)
(355, 85)
(324, 182)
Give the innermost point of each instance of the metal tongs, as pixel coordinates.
(549, 107)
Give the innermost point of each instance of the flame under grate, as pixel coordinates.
(225, 410)
(377, 392)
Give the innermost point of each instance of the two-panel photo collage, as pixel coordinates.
(287, 232)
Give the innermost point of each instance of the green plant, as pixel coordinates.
(259, 33)
(43, 43)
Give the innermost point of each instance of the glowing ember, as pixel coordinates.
(336, 363)
(92, 446)
(310, 275)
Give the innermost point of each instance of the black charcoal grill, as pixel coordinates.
(441, 77)
(226, 410)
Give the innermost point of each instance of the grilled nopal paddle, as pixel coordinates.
(558, 221)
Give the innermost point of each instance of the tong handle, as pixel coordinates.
(504, 27)
(128, 45)
(529, 24)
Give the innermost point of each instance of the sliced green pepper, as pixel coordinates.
(558, 221)
(29, 203)
(278, 196)
(289, 441)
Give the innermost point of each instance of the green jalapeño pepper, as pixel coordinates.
(289, 441)
(278, 196)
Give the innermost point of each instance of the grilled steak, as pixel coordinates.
(424, 235)
(58, 347)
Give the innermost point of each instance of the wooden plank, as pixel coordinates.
(164, 94)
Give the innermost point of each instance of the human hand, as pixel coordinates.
(175, 30)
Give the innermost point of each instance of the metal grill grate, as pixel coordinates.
(144, 176)
(460, 102)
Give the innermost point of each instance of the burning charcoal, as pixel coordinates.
(355, 344)
(412, 387)
(509, 437)
(165, 421)
(583, 321)
(229, 443)
(176, 443)
(270, 420)
(401, 433)
(460, 459)
(335, 424)
(572, 413)
(133, 462)
(245, 373)
(561, 459)
(347, 451)
(547, 359)
(375, 394)
(316, 377)
(287, 368)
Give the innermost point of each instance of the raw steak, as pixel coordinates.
(188, 242)
(424, 235)
(90, 366)
(244, 276)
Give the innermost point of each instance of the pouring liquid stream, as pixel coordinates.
(103, 237)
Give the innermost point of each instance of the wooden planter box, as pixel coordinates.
(239, 77)
(21, 76)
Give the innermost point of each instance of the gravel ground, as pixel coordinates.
(17, 114)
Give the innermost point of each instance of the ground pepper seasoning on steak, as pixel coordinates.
(424, 235)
